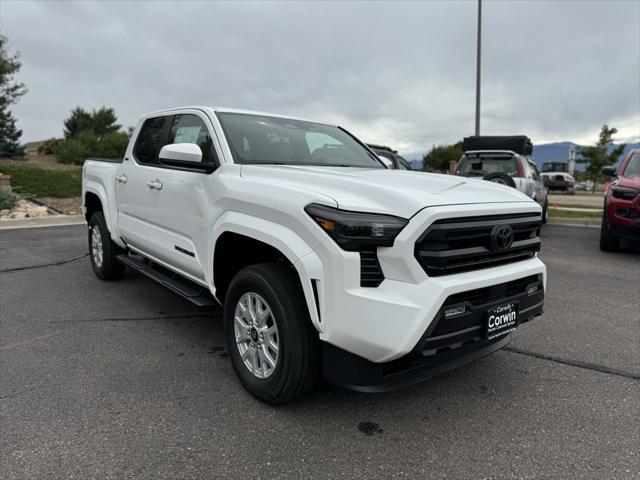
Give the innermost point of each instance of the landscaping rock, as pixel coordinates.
(25, 209)
(37, 211)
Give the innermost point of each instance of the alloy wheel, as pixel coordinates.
(256, 334)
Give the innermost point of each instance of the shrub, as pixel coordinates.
(112, 145)
(7, 199)
(76, 150)
(86, 144)
(439, 157)
(48, 146)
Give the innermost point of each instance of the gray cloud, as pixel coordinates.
(397, 73)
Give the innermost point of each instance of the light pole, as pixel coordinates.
(478, 67)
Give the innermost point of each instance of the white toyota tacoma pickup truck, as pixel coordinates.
(325, 261)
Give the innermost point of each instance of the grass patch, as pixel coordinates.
(553, 213)
(575, 205)
(39, 182)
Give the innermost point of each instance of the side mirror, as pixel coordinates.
(181, 153)
(608, 171)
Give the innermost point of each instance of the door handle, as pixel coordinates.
(154, 184)
(121, 178)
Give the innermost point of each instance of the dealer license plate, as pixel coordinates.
(501, 320)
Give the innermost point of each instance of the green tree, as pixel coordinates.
(10, 91)
(78, 122)
(597, 157)
(439, 157)
(100, 122)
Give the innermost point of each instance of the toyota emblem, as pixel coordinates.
(501, 237)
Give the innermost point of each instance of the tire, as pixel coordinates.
(545, 210)
(297, 361)
(608, 241)
(103, 251)
(501, 178)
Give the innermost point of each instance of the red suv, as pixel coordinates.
(621, 217)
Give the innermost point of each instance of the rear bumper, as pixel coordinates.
(556, 185)
(444, 346)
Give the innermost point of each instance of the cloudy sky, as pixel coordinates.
(397, 73)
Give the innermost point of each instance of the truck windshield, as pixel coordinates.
(633, 167)
(258, 139)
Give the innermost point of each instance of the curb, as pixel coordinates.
(53, 221)
(575, 222)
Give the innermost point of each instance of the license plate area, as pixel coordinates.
(501, 320)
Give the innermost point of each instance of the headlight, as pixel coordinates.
(354, 230)
(624, 193)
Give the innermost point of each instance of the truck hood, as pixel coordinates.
(396, 192)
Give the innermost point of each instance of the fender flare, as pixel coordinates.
(91, 186)
(290, 244)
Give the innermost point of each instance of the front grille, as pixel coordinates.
(370, 271)
(462, 244)
(482, 296)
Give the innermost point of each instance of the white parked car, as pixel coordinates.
(326, 262)
(561, 181)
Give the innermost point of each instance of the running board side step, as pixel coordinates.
(187, 289)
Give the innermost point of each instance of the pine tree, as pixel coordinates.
(10, 91)
(9, 136)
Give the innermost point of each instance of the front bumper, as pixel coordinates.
(623, 217)
(386, 323)
(447, 344)
(630, 233)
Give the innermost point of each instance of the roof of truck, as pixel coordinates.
(230, 110)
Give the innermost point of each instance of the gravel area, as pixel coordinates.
(67, 206)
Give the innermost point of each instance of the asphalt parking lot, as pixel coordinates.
(127, 380)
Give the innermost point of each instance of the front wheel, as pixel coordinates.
(545, 210)
(103, 250)
(273, 347)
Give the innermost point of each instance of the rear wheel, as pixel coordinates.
(608, 241)
(274, 348)
(103, 250)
